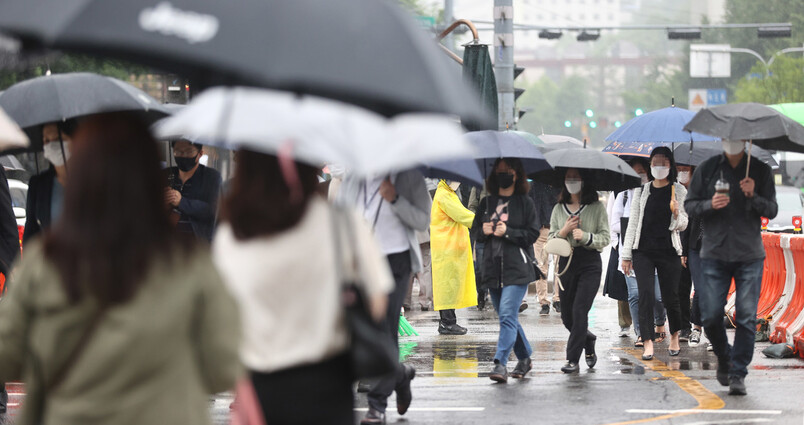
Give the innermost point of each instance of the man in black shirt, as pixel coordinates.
(731, 248)
(193, 191)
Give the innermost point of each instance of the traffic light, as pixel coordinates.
(518, 112)
(593, 124)
(568, 123)
(590, 113)
(638, 112)
(618, 124)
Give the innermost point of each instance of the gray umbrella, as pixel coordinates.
(604, 171)
(58, 97)
(366, 52)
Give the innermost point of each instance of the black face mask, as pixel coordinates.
(185, 164)
(505, 180)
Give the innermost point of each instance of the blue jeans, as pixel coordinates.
(506, 301)
(713, 291)
(633, 304)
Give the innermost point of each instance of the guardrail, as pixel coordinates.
(781, 299)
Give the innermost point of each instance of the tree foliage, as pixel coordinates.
(784, 85)
(553, 103)
(73, 63)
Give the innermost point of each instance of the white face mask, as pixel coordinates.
(52, 153)
(644, 177)
(683, 177)
(660, 172)
(733, 147)
(573, 185)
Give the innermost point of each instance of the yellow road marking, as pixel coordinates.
(706, 399)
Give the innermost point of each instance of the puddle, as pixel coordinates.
(636, 370)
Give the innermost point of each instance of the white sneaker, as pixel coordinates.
(709, 347)
(695, 338)
(624, 332)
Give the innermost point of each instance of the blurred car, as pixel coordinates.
(19, 196)
(790, 203)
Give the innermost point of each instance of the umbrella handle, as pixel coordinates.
(748, 160)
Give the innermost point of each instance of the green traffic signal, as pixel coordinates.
(590, 113)
(568, 123)
(638, 112)
(593, 124)
(618, 124)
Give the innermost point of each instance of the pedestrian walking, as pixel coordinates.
(580, 218)
(193, 191)
(396, 206)
(685, 284)
(295, 340)
(691, 240)
(506, 224)
(127, 325)
(618, 223)
(730, 198)
(45, 197)
(451, 250)
(652, 246)
(545, 198)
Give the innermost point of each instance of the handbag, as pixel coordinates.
(371, 351)
(562, 248)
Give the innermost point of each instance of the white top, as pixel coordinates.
(678, 223)
(287, 288)
(617, 211)
(389, 231)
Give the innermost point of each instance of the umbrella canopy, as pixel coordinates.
(608, 172)
(641, 149)
(366, 52)
(557, 138)
(705, 150)
(490, 145)
(792, 110)
(662, 127)
(316, 130)
(765, 126)
(532, 138)
(11, 163)
(478, 71)
(558, 146)
(59, 97)
(462, 170)
(11, 136)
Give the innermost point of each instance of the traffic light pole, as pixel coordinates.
(504, 60)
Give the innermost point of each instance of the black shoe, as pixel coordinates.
(570, 367)
(545, 310)
(523, 306)
(684, 335)
(723, 369)
(481, 301)
(737, 385)
(522, 368)
(373, 417)
(3, 400)
(591, 360)
(452, 329)
(557, 306)
(499, 373)
(363, 387)
(403, 394)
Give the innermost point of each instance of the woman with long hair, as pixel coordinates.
(112, 318)
(276, 249)
(653, 247)
(506, 223)
(580, 218)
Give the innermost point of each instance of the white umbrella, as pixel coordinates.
(11, 136)
(316, 130)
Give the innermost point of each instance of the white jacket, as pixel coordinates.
(678, 223)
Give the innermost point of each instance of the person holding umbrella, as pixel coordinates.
(652, 246)
(507, 225)
(193, 191)
(581, 219)
(451, 250)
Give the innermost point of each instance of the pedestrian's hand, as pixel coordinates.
(571, 224)
(684, 262)
(577, 234)
(500, 229)
(747, 186)
(626, 265)
(720, 201)
(488, 228)
(387, 190)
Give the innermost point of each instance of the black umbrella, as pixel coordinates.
(695, 153)
(366, 52)
(606, 171)
(490, 145)
(59, 97)
(764, 126)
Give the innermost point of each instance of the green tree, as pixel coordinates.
(784, 85)
(553, 103)
(73, 63)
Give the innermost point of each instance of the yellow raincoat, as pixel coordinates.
(451, 251)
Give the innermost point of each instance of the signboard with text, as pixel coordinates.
(704, 98)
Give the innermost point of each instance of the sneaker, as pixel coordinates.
(522, 368)
(737, 385)
(499, 373)
(523, 306)
(624, 332)
(695, 338)
(545, 310)
(710, 347)
(557, 306)
(453, 329)
(373, 417)
(684, 335)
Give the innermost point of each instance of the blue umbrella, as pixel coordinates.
(490, 145)
(663, 127)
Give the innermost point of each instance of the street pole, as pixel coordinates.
(504, 60)
(449, 17)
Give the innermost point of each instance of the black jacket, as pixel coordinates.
(9, 235)
(516, 267)
(199, 199)
(37, 207)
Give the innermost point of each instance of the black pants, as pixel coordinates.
(684, 291)
(695, 312)
(667, 265)
(401, 269)
(581, 282)
(448, 317)
(327, 384)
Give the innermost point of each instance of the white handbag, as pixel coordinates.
(562, 248)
